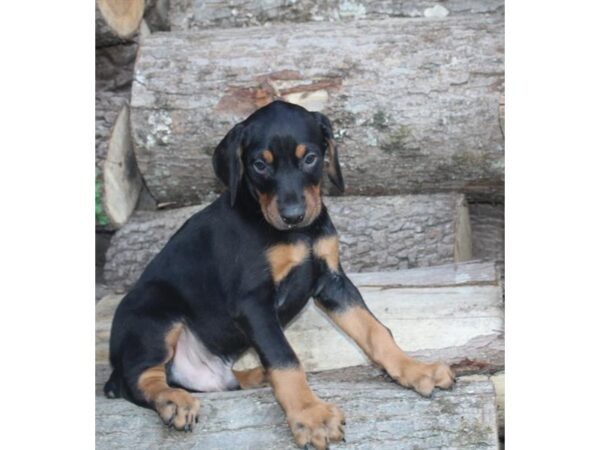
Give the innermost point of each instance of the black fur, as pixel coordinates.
(213, 274)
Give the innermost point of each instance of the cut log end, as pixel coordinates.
(122, 180)
(122, 16)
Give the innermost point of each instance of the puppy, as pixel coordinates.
(237, 272)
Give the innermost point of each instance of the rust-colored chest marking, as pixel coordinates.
(327, 249)
(283, 258)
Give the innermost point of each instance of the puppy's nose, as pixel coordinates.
(292, 215)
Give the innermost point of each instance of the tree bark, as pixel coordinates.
(200, 14)
(376, 233)
(379, 415)
(414, 102)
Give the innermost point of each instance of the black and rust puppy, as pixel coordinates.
(237, 272)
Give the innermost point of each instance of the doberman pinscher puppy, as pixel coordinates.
(237, 272)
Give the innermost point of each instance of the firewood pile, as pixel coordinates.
(415, 92)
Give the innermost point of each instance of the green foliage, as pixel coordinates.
(101, 218)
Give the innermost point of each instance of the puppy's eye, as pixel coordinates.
(259, 166)
(310, 159)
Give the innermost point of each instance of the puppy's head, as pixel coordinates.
(279, 151)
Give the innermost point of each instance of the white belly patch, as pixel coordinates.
(194, 367)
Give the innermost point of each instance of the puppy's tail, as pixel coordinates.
(112, 388)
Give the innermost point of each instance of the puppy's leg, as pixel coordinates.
(251, 378)
(377, 342)
(311, 420)
(345, 306)
(141, 346)
(176, 407)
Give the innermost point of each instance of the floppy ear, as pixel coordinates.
(227, 160)
(334, 171)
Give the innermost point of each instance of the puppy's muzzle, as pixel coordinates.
(292, 215)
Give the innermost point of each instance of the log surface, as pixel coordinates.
(199, 14)
(380, 415)
(376, 233)
(450, 313)
(414, 102)
(122, 180)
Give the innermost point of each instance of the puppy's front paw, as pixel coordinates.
(423, 378)
(178, 408)
(318, 424)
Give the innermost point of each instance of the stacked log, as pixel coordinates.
(414, 102)
(200, 14)
(379, 415)
(415, 93)
(376, 233)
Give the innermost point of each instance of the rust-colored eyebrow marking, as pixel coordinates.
(300, 151)
(268, 156)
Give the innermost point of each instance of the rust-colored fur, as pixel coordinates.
(377, 342)
(284, 257)
(311, 420)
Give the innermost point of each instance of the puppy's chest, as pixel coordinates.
(294, 291)
(295, 268)
(286, 259)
